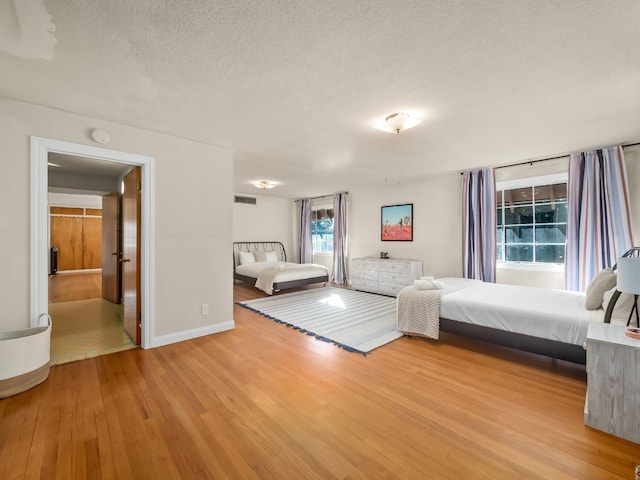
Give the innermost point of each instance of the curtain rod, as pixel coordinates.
(531, 162)
(321, 196)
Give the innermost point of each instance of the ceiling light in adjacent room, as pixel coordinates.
(264, 184)
(397, 122)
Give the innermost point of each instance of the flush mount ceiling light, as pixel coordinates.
(397, 122)
(264, 184)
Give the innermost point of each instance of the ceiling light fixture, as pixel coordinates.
(264, 184)
(397, 122)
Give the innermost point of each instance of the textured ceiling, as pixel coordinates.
(295, 88)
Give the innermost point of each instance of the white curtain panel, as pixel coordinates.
(304, 235)
(479, 224)
(339, 273)
(598, 216)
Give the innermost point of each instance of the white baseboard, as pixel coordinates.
(194, 333)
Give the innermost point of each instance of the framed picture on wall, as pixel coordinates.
(397, 223)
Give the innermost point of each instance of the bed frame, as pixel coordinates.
(282, 257)
(541, 346)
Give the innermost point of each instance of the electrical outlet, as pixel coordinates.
(204, 309)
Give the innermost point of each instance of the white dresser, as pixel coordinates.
(613, 384)
(387, 276)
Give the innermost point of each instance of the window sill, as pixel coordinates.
(540, 267)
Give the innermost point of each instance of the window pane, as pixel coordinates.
(322, 234)
(519, 234)
(518, 215)
(499, 216)
(561, 212)
(519, 253)
(551, 213)
(518, 196)
(499, 238)
(499, 254)
(551, 193)
(551, 234)
(550, 253)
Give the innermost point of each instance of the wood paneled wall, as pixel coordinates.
(77, 234)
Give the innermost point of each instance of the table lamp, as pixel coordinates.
(629, 282)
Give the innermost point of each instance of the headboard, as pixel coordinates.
(257, 246)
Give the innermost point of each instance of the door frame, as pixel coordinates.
(39, 249)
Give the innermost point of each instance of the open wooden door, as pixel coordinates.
(130, 254)
(111, 247)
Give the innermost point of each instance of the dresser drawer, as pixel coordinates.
(365, 275)
(365, 285)
(364, 265)
(390, 288)
(398, 278)
(394, 267)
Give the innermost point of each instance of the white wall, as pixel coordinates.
(531, 278)
(71, 200)
(193, 218)
(269, 220)
(437, 234)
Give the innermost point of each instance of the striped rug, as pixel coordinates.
(356, 321)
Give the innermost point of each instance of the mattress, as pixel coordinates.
(545, 313)
(288, 272)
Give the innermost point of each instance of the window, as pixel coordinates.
(322, 229)
(532, 220)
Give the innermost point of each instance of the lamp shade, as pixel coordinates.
(629, 275)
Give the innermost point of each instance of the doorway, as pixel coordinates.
(40, 261)
(85, 308)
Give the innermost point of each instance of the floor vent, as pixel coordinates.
(245, 200)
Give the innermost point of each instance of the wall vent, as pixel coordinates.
(245, 200)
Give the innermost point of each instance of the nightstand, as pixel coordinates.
(613, 381)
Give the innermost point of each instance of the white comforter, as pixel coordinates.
(553, 314)
(268, 273)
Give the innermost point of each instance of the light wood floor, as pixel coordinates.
(266, 402)
(69, 286)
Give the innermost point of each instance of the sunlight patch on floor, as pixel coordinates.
(334, 301)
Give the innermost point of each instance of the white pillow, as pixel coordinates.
(246, 257)
(272, 256)
(604, 280)
(261, 256)
(622, 308)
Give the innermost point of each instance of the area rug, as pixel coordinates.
(356, 321)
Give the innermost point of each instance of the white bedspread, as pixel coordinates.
(553, 314)
(268, 273)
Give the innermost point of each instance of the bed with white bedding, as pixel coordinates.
(264, 264)
(544, 321)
